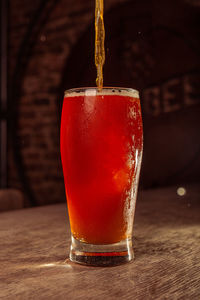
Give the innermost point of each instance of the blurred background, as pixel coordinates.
(48, 46)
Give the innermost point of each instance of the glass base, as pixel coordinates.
(101, 255)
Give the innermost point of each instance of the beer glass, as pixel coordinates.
(101, 150)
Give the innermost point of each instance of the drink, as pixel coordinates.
(99, 42)
(101, 150)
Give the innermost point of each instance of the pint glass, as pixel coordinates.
(101, 150)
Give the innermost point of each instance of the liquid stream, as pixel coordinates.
(99, 42)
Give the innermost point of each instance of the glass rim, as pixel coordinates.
(105, 88)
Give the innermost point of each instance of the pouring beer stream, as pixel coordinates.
(99, 42)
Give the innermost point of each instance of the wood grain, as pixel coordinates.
(34, 246)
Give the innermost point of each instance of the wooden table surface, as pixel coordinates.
(34, 244)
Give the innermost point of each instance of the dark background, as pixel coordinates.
(152, 46)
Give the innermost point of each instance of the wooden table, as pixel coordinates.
(34, 244)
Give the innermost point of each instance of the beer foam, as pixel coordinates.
(103, 92)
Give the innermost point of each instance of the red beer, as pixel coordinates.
(101, 149)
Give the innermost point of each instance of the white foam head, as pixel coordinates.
(93, 91)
